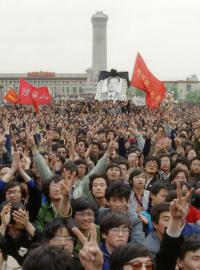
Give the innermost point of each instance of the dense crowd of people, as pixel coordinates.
(100, 185)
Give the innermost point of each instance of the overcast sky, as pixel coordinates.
(56, 35)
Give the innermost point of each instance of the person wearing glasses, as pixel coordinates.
(58, 232)
(23, 189)
(115, 230)
(131, 257)
(84, 213)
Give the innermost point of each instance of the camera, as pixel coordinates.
(15, 207)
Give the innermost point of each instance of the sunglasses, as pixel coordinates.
(139, 265)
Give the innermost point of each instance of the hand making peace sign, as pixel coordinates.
(90, 255)
(179, 206)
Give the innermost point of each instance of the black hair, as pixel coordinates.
(55, 179)
(191, 243)
(186, 142)
(120, 160)
(118, 190)
(82, 204)
(158, 209)
(81, 162)
(82, 140)
(113, 220)
(152, 159)
(164, 155)
(95, 176)
(134, 173)
(194, 158)
(171, 196)
(123, 254)
(182, 160)
(57, 223)
(22, 187)
(70, 166)
(112, 165)
(110, 130)
(3, 247)
(55, 257)
(173, 153)
(134, 150)
(97, 144)
(177, 170)
(156, 187)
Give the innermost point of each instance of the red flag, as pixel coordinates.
(44, 97)
(25, 92)
(28, 94)
(143, 79)
(11, 96)
(35, 100)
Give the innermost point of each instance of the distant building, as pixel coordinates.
(66, 85)
(60, 85)
(182, 88)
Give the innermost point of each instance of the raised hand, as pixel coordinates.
(2, 139)
(90, 255)
(65, 189)
(5, 215)
(21, 217)
(67, 183)
(87, 153)
(150, 133)
(15, 162)
(111, 147)
(179, 206)
(53, 160)
(31, 141)
(27, 159)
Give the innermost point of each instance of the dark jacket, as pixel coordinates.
(167, 256)
(106, 256)
(19, 246)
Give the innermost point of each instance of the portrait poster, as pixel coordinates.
(112, 88)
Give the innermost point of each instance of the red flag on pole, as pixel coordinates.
(25, 92)
(31, 95)
(28, 94)
(11, 96)
(143, 79)
(35, 100)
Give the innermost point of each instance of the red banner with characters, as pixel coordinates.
(143, 79)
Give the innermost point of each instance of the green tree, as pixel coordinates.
(193, 97)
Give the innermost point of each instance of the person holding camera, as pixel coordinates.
(17, 230)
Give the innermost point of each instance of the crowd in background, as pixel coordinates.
(100, 185)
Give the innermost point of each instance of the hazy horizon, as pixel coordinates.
(56, 36)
